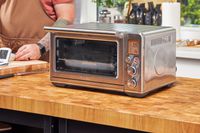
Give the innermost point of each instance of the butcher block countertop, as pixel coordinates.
(22, 67)
(172, 110)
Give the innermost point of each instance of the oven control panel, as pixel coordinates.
(133, 64)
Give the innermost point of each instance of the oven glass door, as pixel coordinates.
(95, 57)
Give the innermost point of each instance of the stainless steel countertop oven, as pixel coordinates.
(134, 59)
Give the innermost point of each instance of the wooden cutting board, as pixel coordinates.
(17, 67)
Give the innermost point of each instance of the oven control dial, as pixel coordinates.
(136, 60)
(129, 59)
(132, 83)
(131, 70)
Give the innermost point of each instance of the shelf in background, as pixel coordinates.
(188, 62)
(188, 52)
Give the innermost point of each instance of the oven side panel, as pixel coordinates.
(159, 63)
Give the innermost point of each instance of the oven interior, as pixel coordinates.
(95, 57)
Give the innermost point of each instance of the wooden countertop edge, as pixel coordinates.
(98, 116)
(28, 66)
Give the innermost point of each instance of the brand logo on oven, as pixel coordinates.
(161, 41)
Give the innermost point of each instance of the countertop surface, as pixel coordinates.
(175, 109)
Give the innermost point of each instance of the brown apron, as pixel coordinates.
(22, 22)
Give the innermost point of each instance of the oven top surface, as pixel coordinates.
(109, 28)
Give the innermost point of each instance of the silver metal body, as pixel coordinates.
(146, 57)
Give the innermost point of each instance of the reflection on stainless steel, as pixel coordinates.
(88, 65)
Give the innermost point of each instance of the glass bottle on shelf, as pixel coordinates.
(149, 14)
(104, 16)
(132, 16)
(157, 16)
(140, 13)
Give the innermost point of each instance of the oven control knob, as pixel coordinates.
(132, 83)
(136, 60)
(129, 59)
(131, 70)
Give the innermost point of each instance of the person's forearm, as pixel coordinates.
(65, 13)
(45, 41)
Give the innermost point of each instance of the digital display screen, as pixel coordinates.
(3, 54)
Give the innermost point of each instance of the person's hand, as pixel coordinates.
(28, 52)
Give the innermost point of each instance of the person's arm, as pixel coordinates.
(65, 15)
(65, 11)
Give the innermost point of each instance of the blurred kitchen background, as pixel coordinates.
(183, 15)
